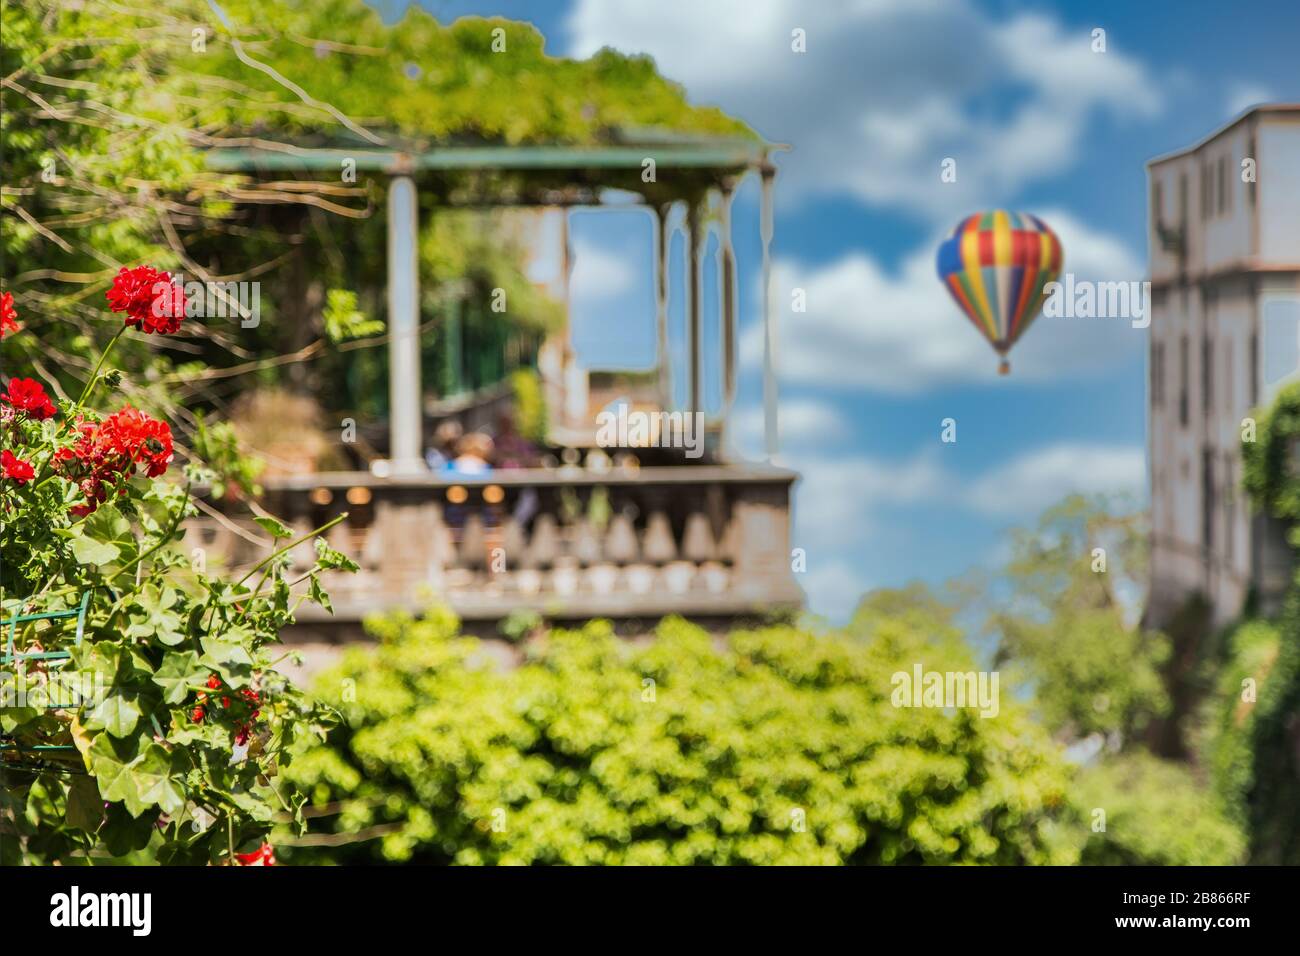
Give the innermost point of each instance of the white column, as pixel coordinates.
(771, 431)
(694, 307)
(663, 236)
(405, 412)
(727, 277)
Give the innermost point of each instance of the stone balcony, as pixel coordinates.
(568, 543)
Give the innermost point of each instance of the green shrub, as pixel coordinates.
(1155, 814)
(781, 748)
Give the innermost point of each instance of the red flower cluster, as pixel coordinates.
(243, 728)
(151, 301)
(8, 315)
(264, 855)
(14, 468)
(113, 449)
(28, 395)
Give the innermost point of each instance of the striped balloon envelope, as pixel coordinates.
(997, 265)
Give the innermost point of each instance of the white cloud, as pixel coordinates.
(867, 328)
(842, 504)
(806, 425)
(598, 275)
(1038, 479)
(887, 89)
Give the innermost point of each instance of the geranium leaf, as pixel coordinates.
(93, 552)
(116, 714)
(274, 527)
(85, 808)
(175, 674)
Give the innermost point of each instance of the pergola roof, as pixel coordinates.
(626, 150)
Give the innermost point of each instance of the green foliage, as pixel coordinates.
(1065, 624)
(227, 468)
(344, 321)
(436, 81)
(599, 751)
(184, 725)
(530, 405)
(1225, 743)
(1156, 814)
(1263, 778)
(122, 103)
(1268, 469)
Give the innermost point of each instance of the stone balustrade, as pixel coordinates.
(565, 542)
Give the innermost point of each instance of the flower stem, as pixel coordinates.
(292, 544)
(94, 376)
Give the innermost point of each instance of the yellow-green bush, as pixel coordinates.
(782, 747)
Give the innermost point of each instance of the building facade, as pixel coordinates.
(1224, 253)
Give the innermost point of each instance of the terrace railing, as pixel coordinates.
(568, 543)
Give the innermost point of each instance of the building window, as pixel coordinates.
(1229, 508)
(1184, 371)
(1224, 186)
(1254, 369)
(1228, 376)
(1207, 190)
(1158, 375)
(1207, 375)
(1280, 349)
(1207, 499)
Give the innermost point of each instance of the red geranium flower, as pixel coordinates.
(111, 450)
(15, 469)
(28, 395)
(8, 315)
(141, 439)
(264, 855)
(150, 299)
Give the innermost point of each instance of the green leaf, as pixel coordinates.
(329, 559)
(91, 552)
(178, 671)
(107, 524)
(122, 833)
(153, 772)
(227, 655)
(110, 762)
(138, 779)
(85, 808)
(153, 616)
(116, 714)
(274, 528)
(317, 595)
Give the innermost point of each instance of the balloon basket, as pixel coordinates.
(1004, 368)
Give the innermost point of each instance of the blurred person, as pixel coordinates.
(473, 455)
(445, 437)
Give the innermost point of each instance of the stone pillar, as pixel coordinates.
(771, 431)
(694, 305)
(405, 412)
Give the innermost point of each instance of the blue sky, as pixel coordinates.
(1037, 121)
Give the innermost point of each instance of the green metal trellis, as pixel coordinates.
(11, 656)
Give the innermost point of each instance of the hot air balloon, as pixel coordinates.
(997, 265)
